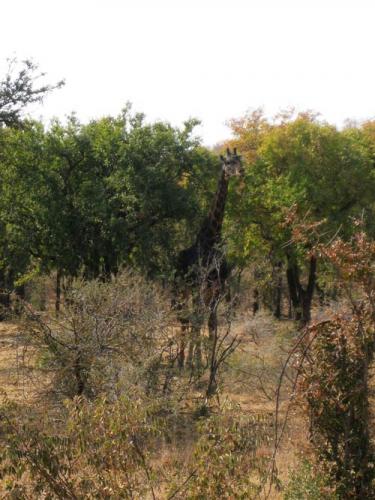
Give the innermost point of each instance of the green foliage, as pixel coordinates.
(18, 89)
(305, 182)
(308, 483)
(299, 162)
(91, 198)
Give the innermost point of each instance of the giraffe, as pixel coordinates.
(201, 269)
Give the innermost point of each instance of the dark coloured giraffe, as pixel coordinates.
(201, 269)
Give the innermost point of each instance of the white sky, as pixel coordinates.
(210, 59)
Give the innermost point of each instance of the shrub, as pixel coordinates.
(307, 483)
(109, 336)
(228, 461)
(100, 452)
(336, 376)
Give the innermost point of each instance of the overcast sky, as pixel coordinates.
(210, 59)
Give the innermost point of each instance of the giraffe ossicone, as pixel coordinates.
(232, 163)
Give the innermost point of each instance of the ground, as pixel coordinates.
(249, 379)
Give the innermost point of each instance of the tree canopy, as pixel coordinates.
(92, 198)
(19, 88)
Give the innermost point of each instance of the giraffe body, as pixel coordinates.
(201, 268)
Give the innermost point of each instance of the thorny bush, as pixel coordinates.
(336, 376)
(109, 337)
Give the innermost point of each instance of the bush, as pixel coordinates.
(100, 452)
(109, 336)
(306, 483)
(228, 462)
(336, 377)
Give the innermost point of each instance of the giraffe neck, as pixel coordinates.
(210, 232)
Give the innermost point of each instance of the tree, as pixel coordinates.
(300, 172)
(20, 88)
(90, 198)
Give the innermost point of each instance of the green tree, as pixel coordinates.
(300, 172)
(20, 88)
(90, 198)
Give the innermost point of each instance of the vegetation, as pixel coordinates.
(275, 307)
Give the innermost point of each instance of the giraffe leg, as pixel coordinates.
(198, 351)
(212, 349)
(179, 304)
(190, 354)
(194, 359)
(195, 351)
(182, 344)
(212, 324)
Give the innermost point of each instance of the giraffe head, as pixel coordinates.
(232, 164)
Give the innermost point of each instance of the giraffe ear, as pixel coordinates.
(228, 152)
(235, 151)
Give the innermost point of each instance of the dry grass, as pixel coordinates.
(15, 380)
(250, 380)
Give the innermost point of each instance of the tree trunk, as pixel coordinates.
(278, 290)
(292, 276)
(4, 295)
(308, 293)
(301, 297)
